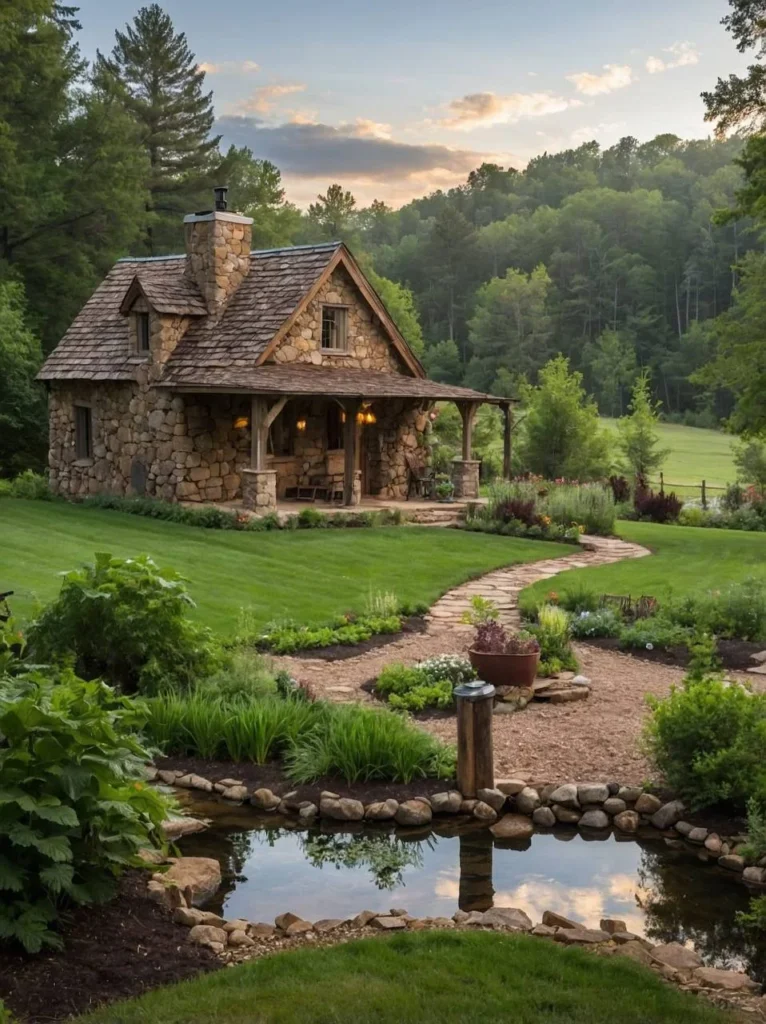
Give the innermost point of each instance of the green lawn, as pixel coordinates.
(308, 575)
(686, 560)
(695, 455)
(422, 978)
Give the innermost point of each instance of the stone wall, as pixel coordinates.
(218, 254)
(368, 347)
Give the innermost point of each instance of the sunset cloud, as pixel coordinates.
(680, 55)
(266, 97)
(479, 109)
(229, 67)
(614, 76)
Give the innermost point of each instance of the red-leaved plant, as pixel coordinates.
(492, 638)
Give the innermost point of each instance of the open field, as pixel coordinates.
(308, 575)
(686, 560)
(425, 978)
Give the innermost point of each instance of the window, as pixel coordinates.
(142, 333)
(280, 433)
(83, 432)
(334, 328)
(334, 427)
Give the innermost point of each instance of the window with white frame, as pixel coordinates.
(334, 327)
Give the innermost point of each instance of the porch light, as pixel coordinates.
(370, 417)
(301, 424)
(241, 423)
(360, 417)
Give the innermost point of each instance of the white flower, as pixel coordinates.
(650, 647)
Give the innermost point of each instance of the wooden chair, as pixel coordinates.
(420, 481)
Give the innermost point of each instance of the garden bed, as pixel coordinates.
(412, 625)
(112, 951)
(734, 654)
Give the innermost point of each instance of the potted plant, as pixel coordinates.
(445, 489)
(497, 655)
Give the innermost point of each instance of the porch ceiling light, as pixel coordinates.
(370, 417)
(241, 423)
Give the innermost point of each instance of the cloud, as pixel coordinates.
(266, 97)
(615, 76)
(366, 129)
(590, 132)
(229, 67)
(479, 109)
(682, 55)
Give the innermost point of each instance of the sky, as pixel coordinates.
(394, 99)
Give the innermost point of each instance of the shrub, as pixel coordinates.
(733, 498)
(74, 811)
(755, 848)
(620, 489)
(657, 508)
(288, 637)
(428, 684)
(602, 622)
(553, 633)
(28, 485)
(426, 695)
(654, 632)
(245, 675)
(381, 604)
(588, 505)
(452, 667)
(125, 619)
(311, 518)
(693, 515)
(738, 611)
(397, 678)
(707, 740)
(519, 509)
(755, 918)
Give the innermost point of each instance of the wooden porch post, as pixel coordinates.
(468, 413)
(507, 426)
(258, 432)
(350, 431)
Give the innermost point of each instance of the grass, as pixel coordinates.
(685, 560)
(422, 978)
(695, 455)
(310, 575)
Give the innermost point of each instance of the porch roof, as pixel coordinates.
(303, 379)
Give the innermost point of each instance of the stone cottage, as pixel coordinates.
(227, 374)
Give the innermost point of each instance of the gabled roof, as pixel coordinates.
(168, 294)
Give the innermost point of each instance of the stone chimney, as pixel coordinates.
(217, 251)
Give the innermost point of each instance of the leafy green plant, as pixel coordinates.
(125, 619)
(28, 485)
(245, 675)
(553, 632)
(311, 519)
(655, 632)
(755, 848)
(425, 695)
(754, 919)
(602, 622)
(482, 610)
(428, 684)
(288, 638)
(74, 811)
(382, 604)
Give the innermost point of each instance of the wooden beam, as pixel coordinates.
(258, 432)
(275, 410)
(468, 413)
(350, 432)
(507, 427)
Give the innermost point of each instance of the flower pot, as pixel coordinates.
(505, 669)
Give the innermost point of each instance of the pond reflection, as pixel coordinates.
(337, 871)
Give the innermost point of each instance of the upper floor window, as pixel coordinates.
(83, 432)
(142, 333)
(334, 325)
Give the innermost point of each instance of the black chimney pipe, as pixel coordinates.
(221, 202)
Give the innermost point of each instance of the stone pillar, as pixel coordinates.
(259, 490)
(465, 478)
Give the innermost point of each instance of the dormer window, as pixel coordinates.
(142, 333)
(334, 328)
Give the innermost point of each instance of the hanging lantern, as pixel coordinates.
(370, 417)
(360, 417)
(301, 424)
(343, 415)
(241, 423)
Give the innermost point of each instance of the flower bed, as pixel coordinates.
(545, 510)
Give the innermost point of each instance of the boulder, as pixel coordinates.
(726, 981)
(592, 792)
(447, 803)
(508, 918)
(298, 928)
(494, 797)
(468, 918)
(543, 931)
(237, 925)
(636, 951)
(629, 793)
(510, 786)
(389, 924)
(308, 812)
(580, 936)
(382, 810)
(328, 924)
(467, 806)
(554, 920)
(647, 804)
(168, 777)
(195, 782)
(566, 815)
(567, 696)
(191, 916)
(483, 812)
(265, 800)
(627, 821)
(668, 814)
(544, 817)
(174, 828)
(363, 919)
(283, 921)
(594, 819)
(566, 796)
(612, 925)
(261, 930)
(208, 935)
(527, 800)
(238, 793)
(240, 938)
(697, 835)
(673, 954)
(200, 875)
(683, 828)
(341, 809)
(713, 844)
(732, 862)
(614, 806)
(512, 826)
(414, 812)
(754, 876)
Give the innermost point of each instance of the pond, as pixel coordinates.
(270, 866)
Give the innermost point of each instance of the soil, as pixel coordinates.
(734, 654)
(112, 951)
(340, 652)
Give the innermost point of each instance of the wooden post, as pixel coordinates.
(662, 482)
(258, 432)
(476, 891)
(468, 413)
(704, 495)
(475, 761)
(350, 432)
(507, 422)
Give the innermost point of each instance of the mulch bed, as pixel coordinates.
(113, 951)
(339, 652)
(734, 654)
(271, 776)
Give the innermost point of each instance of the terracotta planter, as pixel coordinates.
(505, 669)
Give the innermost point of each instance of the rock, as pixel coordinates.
(240, 938)
(195, 782)
(647, 804)
(382, 810)
(283, 921)
(629, 793)
(388, 924)
(235, 793)
(512, 826)
(291, 801)
(174, 828)
(754, 876)
(636, 951)
(398, 912)
(327, 924)
(308, 812)
(510, 786)
(614, 806)
(592, 792)
(168, 777)
(483, 812)
(580, 936)
(544, 817)
(208, 917)
(567, 696)
(727, 981)
(363, 919)
(627, 821)
(265, 800)
(668, 814)
(227, 783)
(566, 815)
(189, 916)
(622, 937)
(580, 681)
(594, 819)
(494, 797)
(697, 835)
(508, 918)
(674, 955)
(150, 773)
(341, 809)
(683, 828)
(298, 928)
(237, 925)
(543, 931)
(473, 917)
(566, 796)
(612, 925)
(713, 844)
(467, 806)
(201, 875)
(208, 935)
(554, 920)
(527, 800)
(501, 708)
(414, 812)
(261, 930)
(547, 792)
(151, 856)
(447, 803)
(732, 862)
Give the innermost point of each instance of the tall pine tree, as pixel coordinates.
(162, 88)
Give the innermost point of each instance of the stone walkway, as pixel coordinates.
(445, 634)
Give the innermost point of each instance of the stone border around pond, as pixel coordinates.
(512, 810)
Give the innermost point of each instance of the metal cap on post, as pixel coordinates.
(475, 759)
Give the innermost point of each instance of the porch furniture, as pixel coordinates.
(420, 478)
